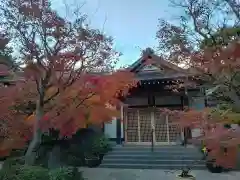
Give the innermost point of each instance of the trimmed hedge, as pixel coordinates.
(10, 162)
(65, 174)
(85, 142)
(23, 172)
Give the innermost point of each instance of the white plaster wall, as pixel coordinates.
(110, 129)
(196, 132)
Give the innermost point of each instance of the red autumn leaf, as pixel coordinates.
(63, 89)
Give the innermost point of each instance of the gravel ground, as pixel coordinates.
(136, 174)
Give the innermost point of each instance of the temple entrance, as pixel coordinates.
(147, 125)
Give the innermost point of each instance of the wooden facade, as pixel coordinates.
(143, 122)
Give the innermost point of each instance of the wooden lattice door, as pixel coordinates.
(166, 131)
(132, 125)
(141, 121)
(145, 125)
(174, 130)
(161, 128)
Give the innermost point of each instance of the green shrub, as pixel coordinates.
(65, 174)
(100, 145)
(10, 168)
(73, 160)
(9, 173)
(8, 163)
(60, 174)
(17, 153)
(78, 145)
(33, 173)
(91, 144)
(85, 141)
(22, 172)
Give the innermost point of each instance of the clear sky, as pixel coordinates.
(132, 23)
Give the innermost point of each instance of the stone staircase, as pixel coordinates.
(163, 157)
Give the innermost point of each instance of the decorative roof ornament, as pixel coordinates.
(148, 52)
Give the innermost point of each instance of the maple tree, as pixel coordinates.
(69, 75)
(208, 44)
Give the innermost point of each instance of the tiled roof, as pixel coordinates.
(4, 70)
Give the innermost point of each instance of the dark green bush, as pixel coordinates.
(10, 168)
(65, 174)
(85, 141)
(8, 174)
(17, 152)
(33, 173)
(23, 172)
(73, 160)
(15, 161)
(73, 150)
(100, 145)
(97, 146)
(60, 174)
(14, 153)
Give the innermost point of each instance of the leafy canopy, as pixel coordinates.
(69, 76)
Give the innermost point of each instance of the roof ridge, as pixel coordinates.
(169, 63)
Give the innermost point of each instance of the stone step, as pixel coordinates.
(157, 148)
(155, 153)
(151, 166)
(149, 157)
(153, 161)
(179, 148)
(163, 157)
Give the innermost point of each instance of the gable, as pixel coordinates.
(151, 68)
(154, 67)
(4, 70)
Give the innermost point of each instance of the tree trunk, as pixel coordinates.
(30, 155)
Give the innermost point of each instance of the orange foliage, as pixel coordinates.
(211, 51)
(94, 102)
(69, 72)
(214, 134)
(14, 130)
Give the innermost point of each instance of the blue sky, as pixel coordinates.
(132, 23)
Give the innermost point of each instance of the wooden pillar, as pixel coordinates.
(186, 130)
(118, 131)
(124, 115)
(138, 118)
(153, 125)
